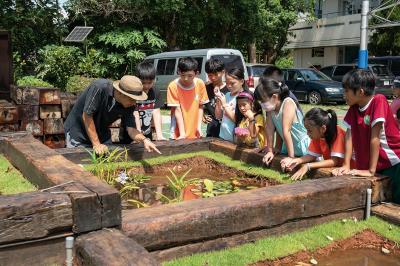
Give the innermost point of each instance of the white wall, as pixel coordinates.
(303, 57)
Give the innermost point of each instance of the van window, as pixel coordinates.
(199, 64)
(342, 70)
(166, 66)
(230, 61)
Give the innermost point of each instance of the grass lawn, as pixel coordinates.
(219, 157)
(339, 109)
(280, 246)
(11, 180)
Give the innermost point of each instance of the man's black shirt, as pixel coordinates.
(98, 101)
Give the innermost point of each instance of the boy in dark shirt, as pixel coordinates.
(146, 110)
(215, 70)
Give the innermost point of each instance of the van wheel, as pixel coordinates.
(314, 97)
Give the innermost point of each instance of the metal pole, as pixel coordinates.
(363, 54)
(69, 245)
(368, 209)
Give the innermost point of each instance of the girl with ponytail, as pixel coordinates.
(327, 141)
(284, 117)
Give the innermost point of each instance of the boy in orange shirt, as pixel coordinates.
(186, 96)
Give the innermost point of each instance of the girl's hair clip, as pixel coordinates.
(280, 84)
(329, 115)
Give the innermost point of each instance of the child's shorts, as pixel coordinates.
(394, 173)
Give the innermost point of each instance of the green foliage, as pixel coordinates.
(103, 167)
(93, 65)
(77, 84)
(33, 24)
(19, 65)
(178, 183)
(126, 47)
(285, 62)
(11, 180)
(32, 81)
(271, 248)
(386, 41)
(58, 63)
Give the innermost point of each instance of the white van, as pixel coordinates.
(166, 64)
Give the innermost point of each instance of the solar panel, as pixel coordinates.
(78, 34)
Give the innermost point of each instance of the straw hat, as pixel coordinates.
(130, 86)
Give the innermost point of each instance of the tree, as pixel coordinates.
(33, 24)
(386, 41)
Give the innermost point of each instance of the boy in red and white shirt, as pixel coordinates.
(372, 131)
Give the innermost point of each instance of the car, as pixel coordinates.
(313, 86)
(392, 62)
(255, 71)
(166, 64)
(384, 78)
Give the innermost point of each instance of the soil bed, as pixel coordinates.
(362, 249)
(224, 179)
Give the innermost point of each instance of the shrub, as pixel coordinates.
(78, 84)
(285, 62)
(58, 63)
(32, 81)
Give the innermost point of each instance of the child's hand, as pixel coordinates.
(207, 119)
(356, 172)
(249, 114)
(285, 163)
(293, 164)
(267, 159)
(222, 99)
(344, 170)
(300, 173)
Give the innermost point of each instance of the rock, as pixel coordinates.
(385, 250)
(313, 261)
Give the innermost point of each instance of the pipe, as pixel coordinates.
(363, 53)
(69, 244)
(368, 210)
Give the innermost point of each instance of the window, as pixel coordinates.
(317, 52)
(199, 62)
(258, 71)
(170, 67)
(327, 71)
(310, 74)
(342, 70)
(230, 61)
(380, 70)
(166, 66)
(293, 75)
(395, 68)
(161, 66)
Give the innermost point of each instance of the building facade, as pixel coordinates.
(333, 38)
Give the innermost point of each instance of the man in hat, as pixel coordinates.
(102, 103)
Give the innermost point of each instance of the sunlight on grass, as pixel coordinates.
(11, 180)
(280, 246)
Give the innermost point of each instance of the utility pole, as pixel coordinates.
(363, 54)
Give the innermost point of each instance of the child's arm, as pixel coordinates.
(347, 156)
(289, 112)
(137, 121)
(158, 123)
(200, 119)
(218, 109)
(179, 122)
(308, 164)
(270, 132)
